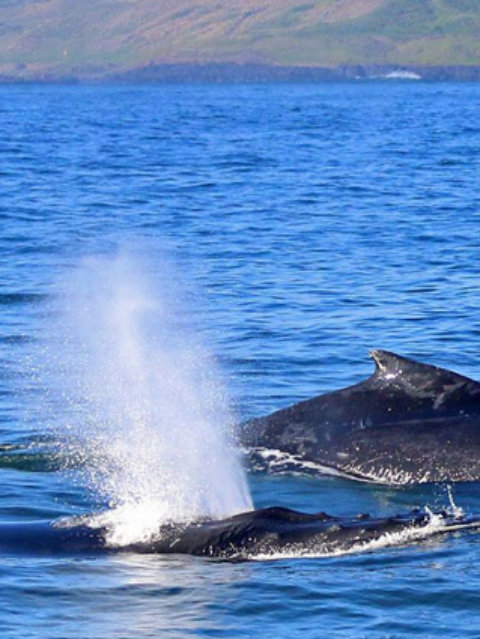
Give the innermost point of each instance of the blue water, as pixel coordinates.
(307, 225)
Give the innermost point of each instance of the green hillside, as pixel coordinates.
(92, 38)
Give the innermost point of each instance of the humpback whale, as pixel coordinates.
(262, 533)
(408, 423)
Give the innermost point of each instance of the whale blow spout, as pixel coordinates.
(146, 406)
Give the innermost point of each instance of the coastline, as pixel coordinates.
(239, 73)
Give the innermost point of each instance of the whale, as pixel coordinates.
(259, 534)
(409, 422)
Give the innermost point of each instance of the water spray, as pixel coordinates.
(143, 400)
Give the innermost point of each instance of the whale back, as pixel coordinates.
(267, 532)
(276, 530)
(417, 379)
(417, 420)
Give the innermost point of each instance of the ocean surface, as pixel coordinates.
(177, 259)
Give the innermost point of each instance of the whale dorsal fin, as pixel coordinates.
(390, 366)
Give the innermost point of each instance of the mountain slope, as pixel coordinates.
(95, 37)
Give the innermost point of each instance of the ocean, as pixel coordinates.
(176, 259)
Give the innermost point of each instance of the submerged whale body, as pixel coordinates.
(410, 422)
(264, 533)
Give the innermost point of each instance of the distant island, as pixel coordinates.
(245, 41)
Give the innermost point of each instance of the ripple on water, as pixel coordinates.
(319, 222)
